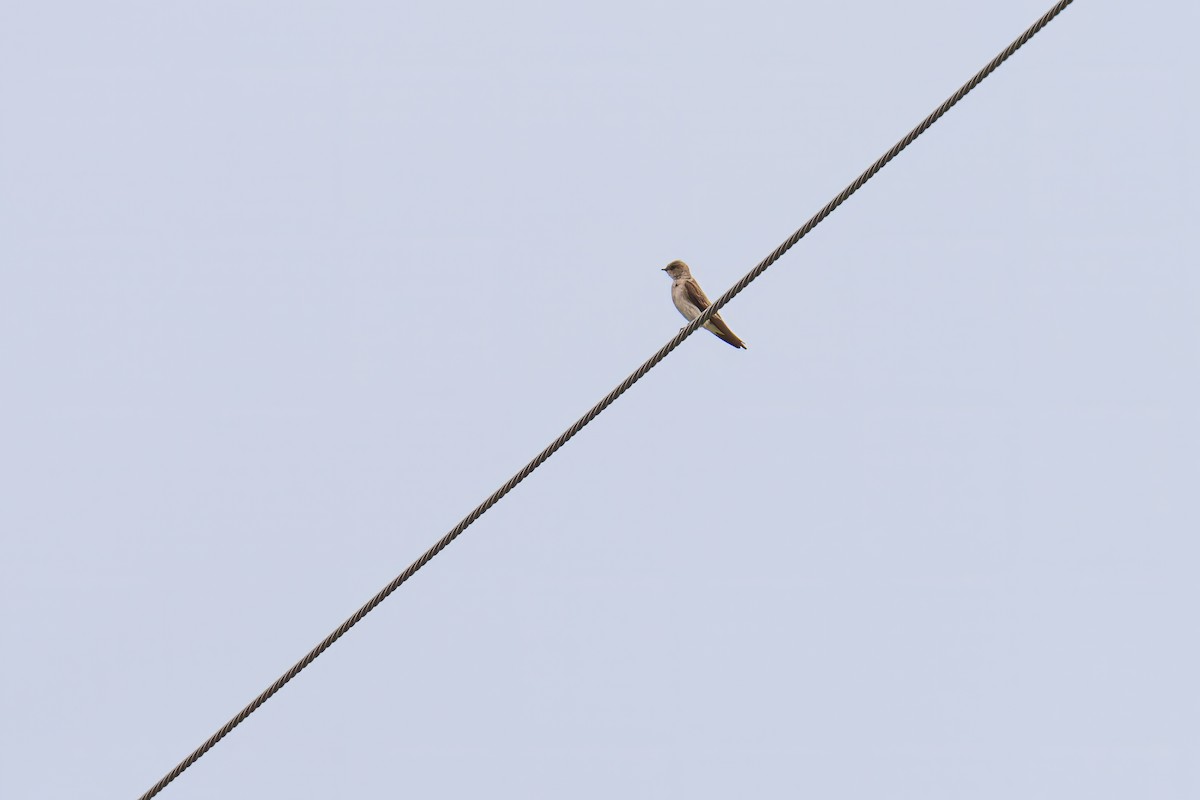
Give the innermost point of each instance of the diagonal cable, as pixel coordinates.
(610, 398)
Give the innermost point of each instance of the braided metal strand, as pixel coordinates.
(608, 400)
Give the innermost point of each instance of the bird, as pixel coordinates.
(690, 299)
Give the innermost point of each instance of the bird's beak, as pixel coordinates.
(664, 269)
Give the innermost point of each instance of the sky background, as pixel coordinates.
(287, 288)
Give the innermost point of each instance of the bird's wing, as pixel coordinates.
(696, 295)
(724, 333)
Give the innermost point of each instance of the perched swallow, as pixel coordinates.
(690, 299)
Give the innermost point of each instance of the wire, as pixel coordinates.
(609, 399)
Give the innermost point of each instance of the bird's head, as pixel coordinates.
(677, 269)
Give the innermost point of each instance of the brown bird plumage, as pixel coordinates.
(690, 299)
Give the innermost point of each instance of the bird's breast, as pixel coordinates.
(679, 297)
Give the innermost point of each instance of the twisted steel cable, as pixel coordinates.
(609, 399)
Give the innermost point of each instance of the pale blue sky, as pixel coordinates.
(286, 288)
